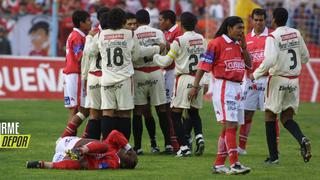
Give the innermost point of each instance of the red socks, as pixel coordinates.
(222, 150)
(243, 133)
(231, 143)
(70, 130)
(66, 164)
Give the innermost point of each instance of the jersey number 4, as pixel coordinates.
(116, 59)
(293, 58)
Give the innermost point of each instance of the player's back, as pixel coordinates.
(147, 36)
(191, 46)
(292, 51)
(115, 47)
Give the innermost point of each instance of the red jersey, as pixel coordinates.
(174, 32)
(109, 159)
(255, 46)
(224, 58)
(74, 50)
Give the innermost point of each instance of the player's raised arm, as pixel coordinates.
(270, 53)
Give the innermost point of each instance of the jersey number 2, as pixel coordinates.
(293, 58)
(194, 61)
(117, 57)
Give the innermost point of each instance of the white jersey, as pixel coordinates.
(147, 36)
(89, 62)
(117, 47)
(284, 52)
(186, 51)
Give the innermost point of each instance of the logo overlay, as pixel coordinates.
(10, 137)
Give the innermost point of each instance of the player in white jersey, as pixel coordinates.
(117, 48)
(148, 83)
(285, 51)
(185, 52)
(91, 74)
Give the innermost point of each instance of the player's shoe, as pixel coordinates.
(306, 149)
(270, 161)
(241, 151)
(138, 151)
(74, 153)
(184, 151)
(168, 150)
(155, 149)
(220, 170)
(200, 147)
(34, 164)
(238, 168)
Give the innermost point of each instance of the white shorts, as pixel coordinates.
(183, 84)
(169, 76)
(62, 146)
(149, 85)
(281, 94)
(227, 102)
(118, 96)
(74, 91)
(254, 94)
(93, 98)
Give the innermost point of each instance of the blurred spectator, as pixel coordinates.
(216, 10)
(39, 33)
(133, 5)
(5, 47)
(186, 5)
(154, 14)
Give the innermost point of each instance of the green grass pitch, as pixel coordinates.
(45, 120)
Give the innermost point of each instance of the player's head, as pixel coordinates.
(100, 11)
(231, 26)
(131, 21)
(104, 20)
(116, 18)
(81, 20)
(280, 17)
(188, 21)
(143, 17)
(167, 19)
(259, 17)
(128, 160)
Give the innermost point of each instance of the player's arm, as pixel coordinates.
(270, 54)
(246, 55)
(304, 51)
(165, 61)
(86, 60)
(143, 51)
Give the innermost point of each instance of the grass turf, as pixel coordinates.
(45, 120)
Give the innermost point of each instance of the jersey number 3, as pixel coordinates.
(117, 58)
(293, 58)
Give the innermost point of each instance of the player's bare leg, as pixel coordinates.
(294, 129)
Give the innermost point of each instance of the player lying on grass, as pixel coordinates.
(79, 153)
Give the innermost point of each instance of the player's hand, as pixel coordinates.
(162, 47)
(193, 93)
(243, 42)
(251, 76)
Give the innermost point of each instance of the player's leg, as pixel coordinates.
(270, 124)
(164, 125)
(197, 124)
(94, 124)
(65, 164)
(295, 131)
(151, 128)
(188, 126)
(219, 164)
(137, 128)
(244, 131)
(124, 122)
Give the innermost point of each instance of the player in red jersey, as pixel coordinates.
(74, 91)
(78, 153)
(171, 30)
(254, 89)
(226, 57)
